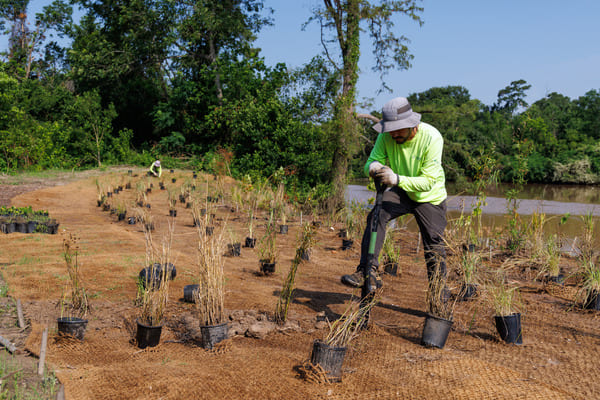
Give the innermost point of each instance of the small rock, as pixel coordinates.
(260, 330)
(320, 325)
(291, 326)
(236, 315)
(237, 329)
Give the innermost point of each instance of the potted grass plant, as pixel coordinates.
(390, 256)
(590, 286)
(469, 261)
(234, 247)
(209, 297)
(267, 249)
(307, 240)
(153, 294)
(552, 256)
(506, 304)
(440, 308)
(74, 305)
(330, 352)
(121, 211)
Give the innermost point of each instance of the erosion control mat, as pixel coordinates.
(558, 360)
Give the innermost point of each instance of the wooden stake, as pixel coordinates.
(43, 351)
(418, 244)
(61, 393)
(9, 346)
(20, 314)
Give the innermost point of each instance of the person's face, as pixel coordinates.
(403, 135)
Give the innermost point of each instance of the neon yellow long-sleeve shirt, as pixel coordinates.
(418, 163)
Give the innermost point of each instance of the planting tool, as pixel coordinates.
(367, 288)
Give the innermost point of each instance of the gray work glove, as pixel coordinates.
(387, 177)
(374, 167)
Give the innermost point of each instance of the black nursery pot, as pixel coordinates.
(343, 233)
(509, 328)
(435, 331)
(305, 255)
(347, 244)
(468, 291)
(72, 326)
(283, 229)
(121, 216)
(391, 268)
(593, 301)
(267, 268)
(210, 230)
(330, 358)
(131, 221)
(250, 242)
(172, 213)
(234, 249)
(21, 227)
(188, 293)
(147, 335)
(213, 334)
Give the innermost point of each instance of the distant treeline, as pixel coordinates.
(157, 79)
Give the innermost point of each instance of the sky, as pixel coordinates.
(482, 45)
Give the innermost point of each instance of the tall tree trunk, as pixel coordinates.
(345, 126)
(213, 62)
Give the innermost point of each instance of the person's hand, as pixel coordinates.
(374, 167)
(387, 176)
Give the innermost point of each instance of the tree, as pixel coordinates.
(340, 22)
(25, 43)
(95, 123)
(512, 97)
(206, 28)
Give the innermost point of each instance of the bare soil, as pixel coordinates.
(559, 358)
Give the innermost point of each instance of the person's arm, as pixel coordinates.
(159, 171)
(378, 154)
(431, 169)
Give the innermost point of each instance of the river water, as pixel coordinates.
(555, 201)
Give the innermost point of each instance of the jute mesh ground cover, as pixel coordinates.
(558, 360)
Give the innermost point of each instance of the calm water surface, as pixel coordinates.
(555, 201)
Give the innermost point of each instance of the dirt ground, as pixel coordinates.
(559, 358)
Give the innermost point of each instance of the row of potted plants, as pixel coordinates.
(26, 220)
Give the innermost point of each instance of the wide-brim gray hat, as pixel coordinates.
(397, 114)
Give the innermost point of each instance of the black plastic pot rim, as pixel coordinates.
(148, 326)
(72, 320)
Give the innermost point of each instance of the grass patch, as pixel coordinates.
(27, 260)
(21, 382)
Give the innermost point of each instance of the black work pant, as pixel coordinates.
(430, 218)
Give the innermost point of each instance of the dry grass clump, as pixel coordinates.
(343, 330)
(210, 297)
(78, 303)
(154, 295)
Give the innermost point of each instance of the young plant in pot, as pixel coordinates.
(280, 207)
(307, 241)
(327, 356)
(390, 256)
(506, 303)
(121, 211)
(209, 297)
(440, 308)
(74, 305)
(552, 256)
(267, 249)
(469, 261)
(153, 295)
(590, 285)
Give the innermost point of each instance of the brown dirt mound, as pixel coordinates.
(558, 360)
